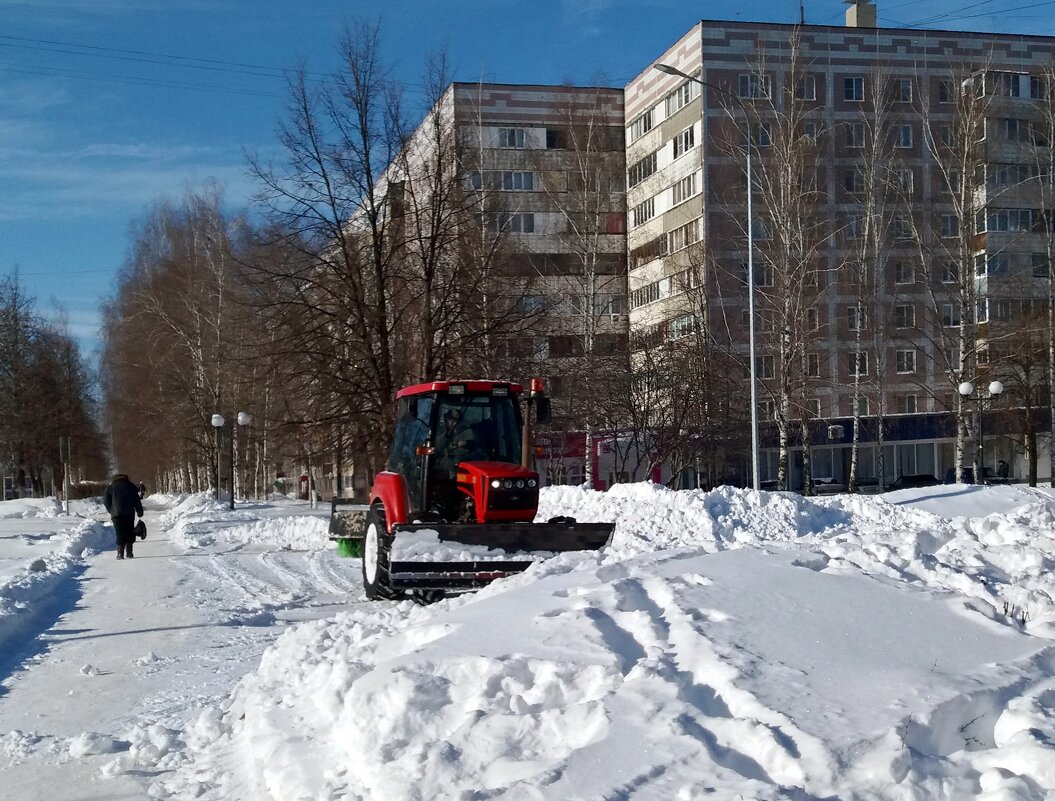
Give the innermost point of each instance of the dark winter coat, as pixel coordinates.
(122, 497)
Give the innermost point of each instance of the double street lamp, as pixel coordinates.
(218, 423)
(966, 389)
(755, 475)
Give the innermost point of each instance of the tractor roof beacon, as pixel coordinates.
(459, 481)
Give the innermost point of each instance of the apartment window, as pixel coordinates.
(855, 134)
(681, 96)
(511, 137)
(857, 362)
(763, 135)
(906, 404)
(902, 227)
(947, 135)
(1001, 309)
(905, 361)
(813, 365)
(903, 136)
(806, 88)
(905, 180)
(767, 410)
(904, 272)
(950, 315)
(854, 180)
(521, 223)
(998, 264)
(1039, 88)
(518, 181)
(555, 139)
(764, 274)
(809, 129)
(1041, 265)
(643, 211)
(754, 86)
(764, 366)
(945, 92)
(854, 89)
(981, 315)
(862, 406)
(950, 273)
(639, 127)
(903, 90)
(950, 226)
(855, 318)
(854, 226)
(814, 407)
(683, 189)
(1006, 84)
(904, 315)
(641, 169)
(476, 180)
(1014, 130)
(684, 141)
(1009, 220)
(683, 236)
(813, 319)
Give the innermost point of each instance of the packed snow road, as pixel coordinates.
(104, 662)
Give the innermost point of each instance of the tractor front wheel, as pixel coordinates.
(377, 548)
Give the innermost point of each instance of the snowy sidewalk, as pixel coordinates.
(142, 646)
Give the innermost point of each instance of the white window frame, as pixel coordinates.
(904, 320)
(515, 181)
(905, 362)
(512, 138)
(806, 87)
(684, 142)
(854, 89)
(754, 86)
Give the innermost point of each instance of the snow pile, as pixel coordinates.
(299, 533)
(28, 508)
(424, 545)
(27, 595)
(729, 644)
(193, 522)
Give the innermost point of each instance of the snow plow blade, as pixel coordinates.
(522, 543)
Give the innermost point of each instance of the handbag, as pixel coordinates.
(140, 530)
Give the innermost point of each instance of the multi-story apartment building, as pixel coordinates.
(539, 171)
(877, 317)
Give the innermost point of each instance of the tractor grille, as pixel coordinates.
(508, 500)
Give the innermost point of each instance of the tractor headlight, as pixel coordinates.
(496, 483)
(520, 483)
(508, 484)
(532, 483)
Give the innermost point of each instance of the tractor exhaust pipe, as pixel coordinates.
(537, 400)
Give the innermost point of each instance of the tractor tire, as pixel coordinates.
(377, 547)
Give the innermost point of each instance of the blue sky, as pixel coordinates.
(109, 105)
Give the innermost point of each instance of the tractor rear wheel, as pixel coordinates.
(377, 548)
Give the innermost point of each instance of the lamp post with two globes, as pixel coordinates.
(219, 422)
(966, 390)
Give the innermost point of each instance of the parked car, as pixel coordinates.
(913, 481)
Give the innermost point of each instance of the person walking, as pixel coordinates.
(123, 503)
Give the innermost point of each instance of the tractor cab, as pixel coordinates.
(458, 447)
(459, 474)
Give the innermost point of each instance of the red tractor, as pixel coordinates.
(455, 508)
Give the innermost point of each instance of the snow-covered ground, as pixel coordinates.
(726, 645)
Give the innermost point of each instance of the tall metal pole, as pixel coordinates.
(756, 482)
(216, 462)
(231, 465)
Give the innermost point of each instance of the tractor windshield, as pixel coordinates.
(475, 428)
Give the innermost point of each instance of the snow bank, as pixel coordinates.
(29, 595)
(303, 533)
(728, 644)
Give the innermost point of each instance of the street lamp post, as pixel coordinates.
(966, 389)
(755, 473)
(218, 422)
